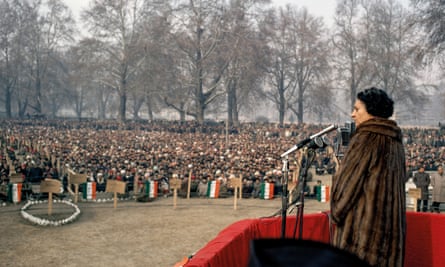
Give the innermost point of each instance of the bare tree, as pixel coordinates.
(390, 43)
(373, 43)
(158, 79)
(198, 34)
(10, 47)
(299, 60)
(32, 34)
(56, 93)
(276, 30)
(351, 48)
(82, 61)
(116, 24)
(52, 30)
(89, 79)
(241, 47)
(311, 64)
(430, 15)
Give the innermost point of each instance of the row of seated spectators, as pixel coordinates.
(142, 151)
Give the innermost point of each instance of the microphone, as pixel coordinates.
(319, 142)
(310, 139)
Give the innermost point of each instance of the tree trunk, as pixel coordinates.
(230, 104)
(300, 107)
(122, 106)
(54, 108)
(235, 115)
(137, 104)
(182, 116)
(199, 94)
(101, 107)
(38, 105)
(282, 102)
(22, 107)
(149, 109)
(8, 103)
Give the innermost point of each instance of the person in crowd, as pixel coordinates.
(202, 187)
(368, 191)
(422, 180)
(438, 184)
(256, 188)
(320, 166)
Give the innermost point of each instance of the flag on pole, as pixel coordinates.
(151, 189)
(15, 192)
(322, 193)
(89, 190)
(213, 189)
(267, 191)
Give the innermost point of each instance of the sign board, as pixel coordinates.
(175, 183)
(235, 182)
(77, 178)
(415, 193)
(115, 186)
(50, 186)
(15, 178)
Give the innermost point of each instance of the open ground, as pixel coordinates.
(133, 234)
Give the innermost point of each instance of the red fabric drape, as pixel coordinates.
(425, 243)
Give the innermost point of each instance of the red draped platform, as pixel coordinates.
(425, 244)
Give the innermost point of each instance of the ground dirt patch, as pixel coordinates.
(133, 234)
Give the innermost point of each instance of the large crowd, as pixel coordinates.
(142, 151)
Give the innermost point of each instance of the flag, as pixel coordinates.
(213, 189)
(89, 190)
(15, 192)
(322, 193)
(151, 189)
(267, 191)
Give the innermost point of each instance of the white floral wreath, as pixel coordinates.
(46, 222)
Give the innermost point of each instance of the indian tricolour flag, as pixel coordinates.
(151, 189)
(267, 190)
(15, 192)
(213, 189)
(89, 190)
(322, 193)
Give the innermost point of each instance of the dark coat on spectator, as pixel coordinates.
(368, 195)
(422, 181)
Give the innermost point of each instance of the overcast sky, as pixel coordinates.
(324, 8)
(320, 8)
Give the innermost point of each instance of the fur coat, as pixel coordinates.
(368, 195)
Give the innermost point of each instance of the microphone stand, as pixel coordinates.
(284, 195)
(302, 182)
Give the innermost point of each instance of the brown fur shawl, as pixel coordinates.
(368, 195)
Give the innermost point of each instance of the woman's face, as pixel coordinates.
(359, 113)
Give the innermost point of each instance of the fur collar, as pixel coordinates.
(381, 126)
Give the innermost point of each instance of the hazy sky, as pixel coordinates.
(324, 8)
(321, 8)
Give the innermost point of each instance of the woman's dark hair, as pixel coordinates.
(377, 102)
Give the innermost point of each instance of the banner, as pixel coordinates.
(322, 193)
(151, 189)
(213, 189)
(267, 191)
(89, 190)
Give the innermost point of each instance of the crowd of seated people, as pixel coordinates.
(156, 151)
